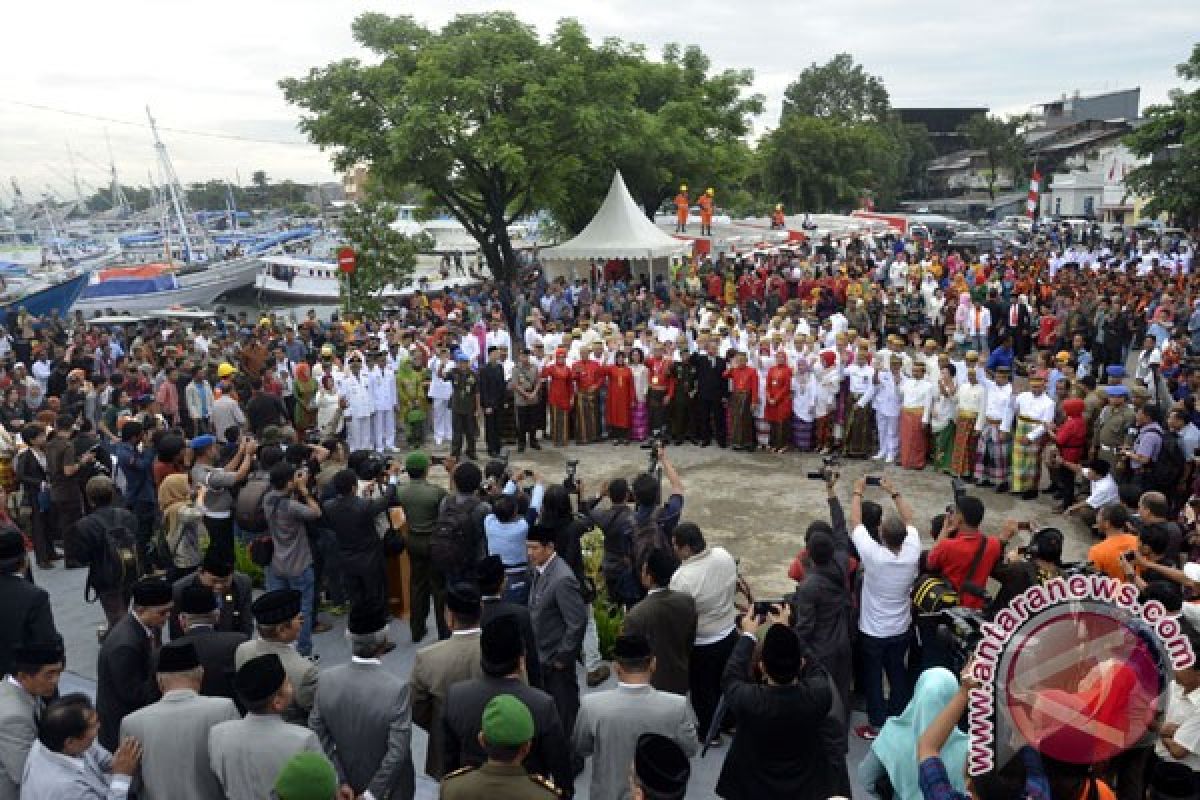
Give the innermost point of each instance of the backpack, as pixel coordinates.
(452, 543)
(117, 563)
(248, 510)
(1168, 468)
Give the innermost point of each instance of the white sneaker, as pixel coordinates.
(877, 456)
(890, 460)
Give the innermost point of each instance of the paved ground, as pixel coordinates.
(757, 506)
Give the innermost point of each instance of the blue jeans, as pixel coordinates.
(880, 656)
(305, 584)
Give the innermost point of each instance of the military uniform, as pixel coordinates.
(464, 400)
(1112, 430)
(420, 501)
(496, 782)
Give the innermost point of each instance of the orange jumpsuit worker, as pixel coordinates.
(706, 212)
(681, 209)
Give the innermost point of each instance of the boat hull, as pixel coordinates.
(57, 298)
(198, 289)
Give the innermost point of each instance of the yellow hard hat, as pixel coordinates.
(708, 191)
(683, 187)
(225, 370)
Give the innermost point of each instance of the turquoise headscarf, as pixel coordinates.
(896, 747)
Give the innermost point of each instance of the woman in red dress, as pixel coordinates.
(779, 401)
(618, 411)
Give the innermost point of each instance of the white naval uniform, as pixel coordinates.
(359, 408)
(440, 392)
(383, 398)
(884, 397)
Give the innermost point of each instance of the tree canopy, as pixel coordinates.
(383, 256)
(1171, 137)
(495, 123)
(840, 91)
(1002, 145)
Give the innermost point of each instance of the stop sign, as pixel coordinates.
(346, 260)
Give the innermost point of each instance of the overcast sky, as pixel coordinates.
(212, 66)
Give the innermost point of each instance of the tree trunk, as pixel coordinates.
(498, 251)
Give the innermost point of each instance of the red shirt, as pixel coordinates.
(561, 393)
(660, 375)
(716, 288)
(744, 379)
(951, 558)
(589, 374)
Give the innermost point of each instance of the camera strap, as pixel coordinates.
(968, 584)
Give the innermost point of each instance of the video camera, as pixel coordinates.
(762, 608)
(828, 471)
(656, 448)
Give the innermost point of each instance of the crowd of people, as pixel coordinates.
(173, 460)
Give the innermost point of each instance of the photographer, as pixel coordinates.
(963, 555)
(218, 501)
(506, 529)
(289, 507)
(648, 515)
(352, 518)
(620, 555)
(885, 618)
(824, 599)
(1038, 562)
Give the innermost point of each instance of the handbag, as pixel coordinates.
(262, 550)
(932, 593)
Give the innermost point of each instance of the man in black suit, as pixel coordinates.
(125, 674)
(711, 392)
(489, 575)
(492, 390)
(779, 748)
(233, 590)
(668, 621)
(351, 517)
(198, 613)
(501, 660)
(1018, 323)
(25, 614)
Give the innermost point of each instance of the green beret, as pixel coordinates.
(306, 776)
(417, 459)
(507, 722)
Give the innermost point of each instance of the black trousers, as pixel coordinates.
(710, 421)
(704, 679)
(528, 422)
(563, 686)
(365, 583)
(491, 430)
(462, 427)
(657, 400)
(424, 582)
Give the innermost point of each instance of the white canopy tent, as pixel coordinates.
(618, 230)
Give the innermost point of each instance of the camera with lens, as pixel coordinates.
(960, 629)
(570, 482)
(828, 471)
(656, 449)
(763, 608)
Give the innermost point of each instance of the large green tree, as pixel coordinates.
(1002, 145)
(383, 256)
(680, 124)
(489, 119)
(1171, 138)
(839, 90)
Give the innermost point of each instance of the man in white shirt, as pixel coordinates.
(1103, 491)
(889, 549)
(1179, 735)
(994, 426)
(382, 384)
(709, 575)
(355, 389)
(498, 336)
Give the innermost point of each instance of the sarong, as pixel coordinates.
(802, 434)
(560, 425)
(641, 420)
(741, 423)
(943, 447)
(991, 456)
(823, 432)
(860, 430)
(587, 421)
(912, 438)
(1026, 458)
(965, 440)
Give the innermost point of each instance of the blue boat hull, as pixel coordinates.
(59, 297)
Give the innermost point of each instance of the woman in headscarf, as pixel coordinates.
(893, 755)
(183, 522)
(1070, 440)
(412, 381)
(330, 419)
(305, 391)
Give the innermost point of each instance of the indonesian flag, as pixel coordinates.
(1035, 182)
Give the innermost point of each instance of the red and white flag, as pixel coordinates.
(1035, 182)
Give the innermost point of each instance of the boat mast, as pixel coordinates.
(173, 190)
(231, 206)
(79, 198)
(116, 193)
